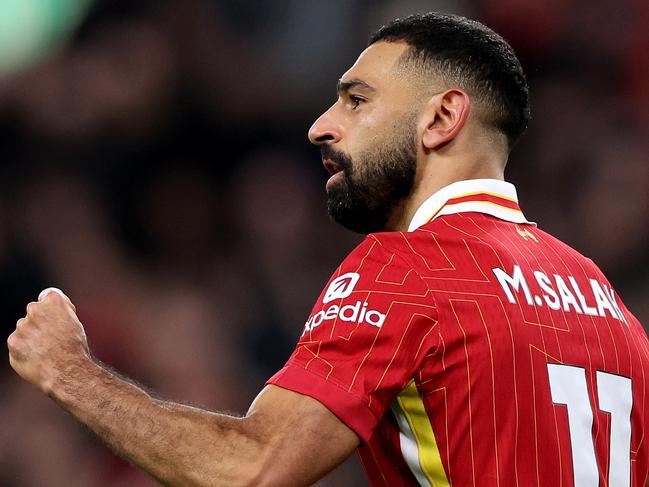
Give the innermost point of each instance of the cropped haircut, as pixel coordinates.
(470, 56)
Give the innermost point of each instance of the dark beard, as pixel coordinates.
(372, 186)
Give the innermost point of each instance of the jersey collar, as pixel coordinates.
(490, 196)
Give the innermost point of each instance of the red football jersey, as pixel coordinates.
(477, 350)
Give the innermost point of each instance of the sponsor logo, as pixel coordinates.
(341, 287)
(356, 313)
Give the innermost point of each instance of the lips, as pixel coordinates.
(335, 170)
(332, 166)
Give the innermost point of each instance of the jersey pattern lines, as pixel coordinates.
(478, 350)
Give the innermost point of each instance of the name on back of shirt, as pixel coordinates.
(559, 293)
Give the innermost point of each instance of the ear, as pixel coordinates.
(444, 117)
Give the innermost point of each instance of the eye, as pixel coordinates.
(355, 101)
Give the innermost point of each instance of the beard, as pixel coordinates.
(373, 184)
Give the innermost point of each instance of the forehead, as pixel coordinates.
(376, 65)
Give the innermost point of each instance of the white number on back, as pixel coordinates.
(568, 387)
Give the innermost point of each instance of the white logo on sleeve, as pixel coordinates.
(359, 312)
(341, 287)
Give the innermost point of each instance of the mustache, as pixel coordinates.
(334, 155)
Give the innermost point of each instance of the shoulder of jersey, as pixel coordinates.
(401, 241)
(393, 242)
(406, 245)
(449, 229)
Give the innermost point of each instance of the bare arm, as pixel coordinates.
(285, 439)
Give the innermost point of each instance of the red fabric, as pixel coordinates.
(479, 361)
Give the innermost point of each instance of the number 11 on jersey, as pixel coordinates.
(615, 396)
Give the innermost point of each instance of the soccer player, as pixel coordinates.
(459, 344)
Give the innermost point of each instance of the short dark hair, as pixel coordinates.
(474, 57)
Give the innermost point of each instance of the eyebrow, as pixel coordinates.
(345, 86)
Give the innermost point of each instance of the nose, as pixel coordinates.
(325, 130)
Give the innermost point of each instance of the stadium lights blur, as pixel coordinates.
(30, 29)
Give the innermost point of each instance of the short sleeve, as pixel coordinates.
(366, 337)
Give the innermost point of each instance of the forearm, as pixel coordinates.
(286, 439)
(179, 445)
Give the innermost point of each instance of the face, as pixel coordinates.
(368, 141)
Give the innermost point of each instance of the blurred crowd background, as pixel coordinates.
(154, 165)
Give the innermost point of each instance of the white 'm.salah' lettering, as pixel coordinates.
(516, 281)
(567, 299)
(611, 295)
(603, 304)
(589, 310)
(550, 297)
(560, 293)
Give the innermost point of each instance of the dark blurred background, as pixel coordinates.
(154, 165)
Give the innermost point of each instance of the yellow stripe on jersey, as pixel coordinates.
(426, 461)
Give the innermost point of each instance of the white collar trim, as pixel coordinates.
(474, 195)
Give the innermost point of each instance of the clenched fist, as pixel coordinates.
(49, 342)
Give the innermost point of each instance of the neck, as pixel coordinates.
(432, 179)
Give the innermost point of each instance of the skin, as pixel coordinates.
(452, 144)
(285, 439)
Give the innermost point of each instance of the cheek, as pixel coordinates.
(367, 131)
(380, 123)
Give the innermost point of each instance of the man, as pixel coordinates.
(461, 345)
